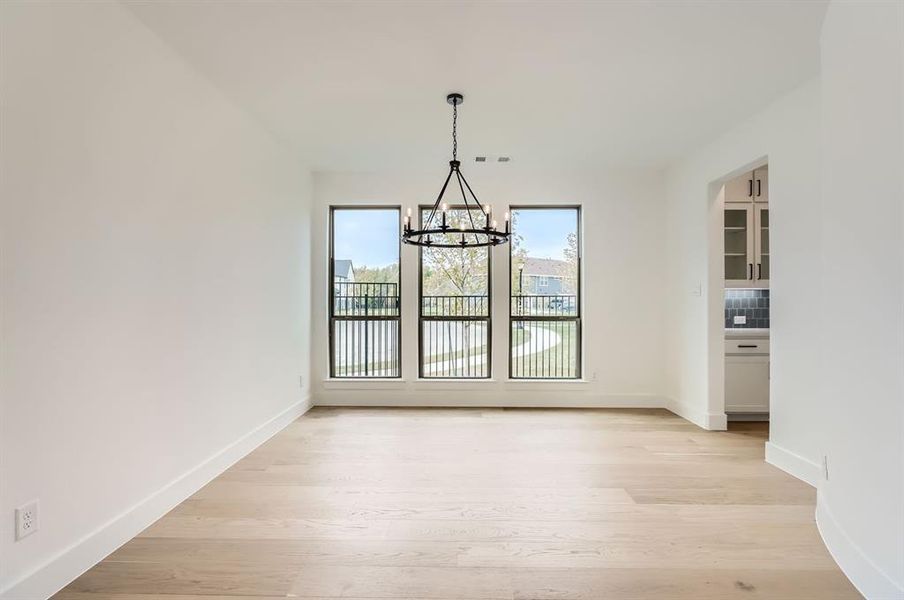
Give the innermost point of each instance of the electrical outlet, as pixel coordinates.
(825, 467)
(740, 319)
(26, 519)
(301, 381)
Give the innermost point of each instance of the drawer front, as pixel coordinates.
(751, 346)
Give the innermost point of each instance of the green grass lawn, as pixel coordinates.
(559, 361)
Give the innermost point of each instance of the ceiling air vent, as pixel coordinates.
(504, 158)
(480, 158)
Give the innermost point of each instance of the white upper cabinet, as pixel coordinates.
(740, 249)
(746, 230)
(740, 189)
(761, 238)
(749, 187)
(760, 185)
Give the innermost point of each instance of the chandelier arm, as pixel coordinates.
(476, 201)
(438, 198)
(467, 210)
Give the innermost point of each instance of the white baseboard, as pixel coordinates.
(551, 399)
(706, 420)
(793, 464)
(61, 569)
(869, 579)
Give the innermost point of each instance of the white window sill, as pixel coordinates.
(547, 382)
(366, 383)
(454, 380)
(363, 383)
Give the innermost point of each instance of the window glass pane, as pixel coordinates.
(544, 349)
(455, 348)
(455, 304)
(545, 304)
(365, 305)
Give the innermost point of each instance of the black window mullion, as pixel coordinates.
(364, 318)
(547, 317)
(452, 330)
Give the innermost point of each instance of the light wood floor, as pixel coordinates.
(486, 504)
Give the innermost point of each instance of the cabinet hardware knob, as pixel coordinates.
(759, 187)
(750, 188)
(747, 346)
(749, 270)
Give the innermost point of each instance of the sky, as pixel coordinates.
(367, 237)
(371, 237)
(545, 232)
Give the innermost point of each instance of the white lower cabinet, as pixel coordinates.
(747, 376)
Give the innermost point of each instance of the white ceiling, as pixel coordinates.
(361, 85)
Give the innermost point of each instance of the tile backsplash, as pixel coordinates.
(753, 304)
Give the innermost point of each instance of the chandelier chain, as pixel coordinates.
(455, 131)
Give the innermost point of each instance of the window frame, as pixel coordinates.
(420, 307)
(331, 306)
(577, 319)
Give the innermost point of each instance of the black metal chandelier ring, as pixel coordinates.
(422, 238)
(461, 236)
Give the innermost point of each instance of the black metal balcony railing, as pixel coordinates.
(455, 306)
(455, 336)
(455, 348)
(365, 299)
(545, 337)
(544, 349)
(365, 330)
(553, 305)
(544, 340)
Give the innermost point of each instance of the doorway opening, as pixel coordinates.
(739, 295)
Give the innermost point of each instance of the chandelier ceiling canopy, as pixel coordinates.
(467, 224)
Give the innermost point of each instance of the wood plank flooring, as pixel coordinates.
(485, 504)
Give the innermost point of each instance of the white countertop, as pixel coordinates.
(748, 333)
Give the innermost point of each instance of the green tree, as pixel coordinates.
(570, 267)
(519, 256)
(455, 271)
(385, 274)
(462, 273)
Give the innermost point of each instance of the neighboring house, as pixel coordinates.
(343, 271)
(545, 276)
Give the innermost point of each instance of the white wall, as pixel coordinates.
(835, 149)
(861, 506)
(787, 132)
(155, 284)
(624, 271)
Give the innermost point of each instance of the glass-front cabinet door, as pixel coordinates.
(762, 244)
(739, 246)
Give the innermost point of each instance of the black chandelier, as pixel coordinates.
(436, 231)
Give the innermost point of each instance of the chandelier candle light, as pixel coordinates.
(467, 234)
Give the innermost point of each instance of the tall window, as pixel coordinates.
(364, 295)
(545, 307)
(455, 305)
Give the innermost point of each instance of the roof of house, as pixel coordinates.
(343, 268)
(545, 267)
